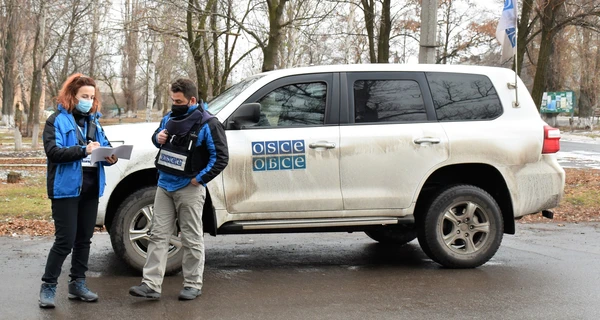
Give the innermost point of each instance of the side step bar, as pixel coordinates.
(316, 223)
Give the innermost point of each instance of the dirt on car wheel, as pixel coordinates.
(462, 228)
(129, 232)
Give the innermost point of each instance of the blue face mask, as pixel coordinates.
(84, 105)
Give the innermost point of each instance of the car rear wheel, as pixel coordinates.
(130, 232)
(462, 228)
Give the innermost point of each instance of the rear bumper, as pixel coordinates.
(536, 186)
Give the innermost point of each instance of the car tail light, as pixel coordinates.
(551, 140)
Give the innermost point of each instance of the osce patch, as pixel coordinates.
(278, 155)
(172, 160)
(278, 147)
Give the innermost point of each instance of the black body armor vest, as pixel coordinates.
(179, 155)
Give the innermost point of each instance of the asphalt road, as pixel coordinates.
(579, 155)
(546, 271)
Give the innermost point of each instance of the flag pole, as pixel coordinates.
(516, 50)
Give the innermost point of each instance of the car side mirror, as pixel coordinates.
(247, 115)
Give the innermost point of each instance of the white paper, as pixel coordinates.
(122, 152)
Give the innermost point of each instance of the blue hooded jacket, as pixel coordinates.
(65, 148)
(212, 139)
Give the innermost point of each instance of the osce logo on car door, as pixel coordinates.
(278, 155)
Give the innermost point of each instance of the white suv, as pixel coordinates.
(435, 152)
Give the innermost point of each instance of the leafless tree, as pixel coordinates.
(460, 30)
(10, 53)
(131, 26)
(546, 19)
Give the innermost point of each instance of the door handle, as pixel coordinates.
(322, 144)
(429, 140)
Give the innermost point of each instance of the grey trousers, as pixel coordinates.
(185, 205)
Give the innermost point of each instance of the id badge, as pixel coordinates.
(87, 162)
(172, 160)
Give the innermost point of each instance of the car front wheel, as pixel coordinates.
(130, 232)
(462, 228)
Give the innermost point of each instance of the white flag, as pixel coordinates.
(506, 32)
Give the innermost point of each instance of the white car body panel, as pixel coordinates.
(373, 170)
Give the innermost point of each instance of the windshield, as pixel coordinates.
(219, 102)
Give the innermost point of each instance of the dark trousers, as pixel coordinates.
(74, 221)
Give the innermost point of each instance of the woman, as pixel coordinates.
(74, 184)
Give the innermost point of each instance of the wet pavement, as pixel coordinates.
(582, 154)
(546, 271)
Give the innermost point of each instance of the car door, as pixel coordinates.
(391, 140)
(289, 161)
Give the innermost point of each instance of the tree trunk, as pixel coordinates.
(18, 137)
(10, 52)
(383, 46)
(276, 9)
(150, 77)
(544, 54)
(33, 121)
(130, 55)
(93, 43)
(21, 117)
(216, 68)
(443, 59)
(65, 71)
(195, 44)
(523, 32)
(369, 11)
(13, 177)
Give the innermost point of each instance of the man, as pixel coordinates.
(192, 151)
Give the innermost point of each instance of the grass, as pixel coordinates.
(8, 136)
(580, 201)
(26, 199)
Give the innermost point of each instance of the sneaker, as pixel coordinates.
(78, 290)
(47, 294)
(143, 290)
(189, 293)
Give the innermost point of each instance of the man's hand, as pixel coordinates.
(112, 159)
(91, 146)
(162, 136)
(194, 182)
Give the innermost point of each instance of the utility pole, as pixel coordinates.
(428, 31)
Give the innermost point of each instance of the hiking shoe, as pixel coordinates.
(144, 291)
(47, 294)
(78, 290)
(189, 293)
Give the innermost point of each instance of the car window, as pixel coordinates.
(299, 104)
(388, 101)
(219, 102)
(459, 97)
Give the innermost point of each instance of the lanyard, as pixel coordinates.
(83, 131)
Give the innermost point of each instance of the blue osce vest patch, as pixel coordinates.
(278, 155)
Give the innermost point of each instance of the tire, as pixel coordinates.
(462, 228)
(395, 235)
(129, 236)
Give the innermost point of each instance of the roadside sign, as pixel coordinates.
(558, 102)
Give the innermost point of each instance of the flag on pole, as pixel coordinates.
(506, 32)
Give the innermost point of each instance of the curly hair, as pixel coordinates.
(67, 93)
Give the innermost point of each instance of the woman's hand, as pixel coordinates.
(112, 159)
(91, 146)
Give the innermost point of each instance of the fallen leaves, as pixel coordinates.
(580, 204)
(31, 227)
(581, 200)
